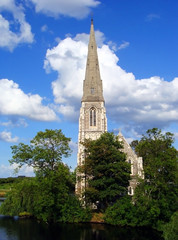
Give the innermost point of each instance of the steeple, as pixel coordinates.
(92, 85)
(92, 120)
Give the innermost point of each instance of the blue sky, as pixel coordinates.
(43, 49)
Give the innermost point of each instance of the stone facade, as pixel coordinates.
(136, 164)
(93, 121)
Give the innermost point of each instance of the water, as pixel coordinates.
(14, 228)
(1, 200)
(28, 229)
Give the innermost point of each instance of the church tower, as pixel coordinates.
(92, 120)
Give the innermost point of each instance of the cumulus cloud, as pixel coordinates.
(68, 58)
(15, 102)
(9, 171)
(7, 137)
(8, 38)
(77, 9)
(140, 102)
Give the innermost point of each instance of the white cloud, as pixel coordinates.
(7, 137)
(152, 16)
(15, 102)
(72, 8)
(176, 135)
(15, 122)
(8, 38)
(123, 45)
(73, 146)
(84, 37)
(140, 102)
(44, 28)
(9, 171)
(68, 58)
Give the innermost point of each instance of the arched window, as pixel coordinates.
(130, 190)
(92, 116)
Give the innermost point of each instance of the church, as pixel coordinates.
(93, 121)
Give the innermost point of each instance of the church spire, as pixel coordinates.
(92, 86)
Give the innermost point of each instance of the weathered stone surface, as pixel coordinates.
(136, 164)
(93, 121)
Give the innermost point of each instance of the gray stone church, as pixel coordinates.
(93, 121)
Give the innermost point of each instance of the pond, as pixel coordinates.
(27, 229)
(14, 228)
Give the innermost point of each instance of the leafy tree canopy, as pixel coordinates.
(155, 198)
(159, 157)
(48, 198)
(170, 231)
(106, 172)
(44, 152)
(158, 191)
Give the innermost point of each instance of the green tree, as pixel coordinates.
(54, 189)
(106, 172)
(44, 152)
(48, 198)
(121, 213)
(157, 192)
(155, 197)
(170, 230)
(20, 198)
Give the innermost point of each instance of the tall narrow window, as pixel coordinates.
(92, 116)
(130, 190)
(92, 90)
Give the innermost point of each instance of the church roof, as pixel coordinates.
(92, 86)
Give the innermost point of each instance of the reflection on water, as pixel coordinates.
(28, 229)
(1, 200)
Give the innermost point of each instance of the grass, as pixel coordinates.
(97, 218)
(3, 192)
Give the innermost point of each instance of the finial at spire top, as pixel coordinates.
(120, 133)
(91, 17)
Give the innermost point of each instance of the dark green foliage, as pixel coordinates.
(20, 198)
(107, 173)
(159, 156)
(125, 212)
(45, 151)
(122, 213)
(158, 192)
(170, 230)
(53, 192)
(155, 198)
(72, 211)
(133, 144)
(46, 198)
(10, 181)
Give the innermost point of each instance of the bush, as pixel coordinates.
(47, 198)
(72, 211)
(121, 213)
(170, 230)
